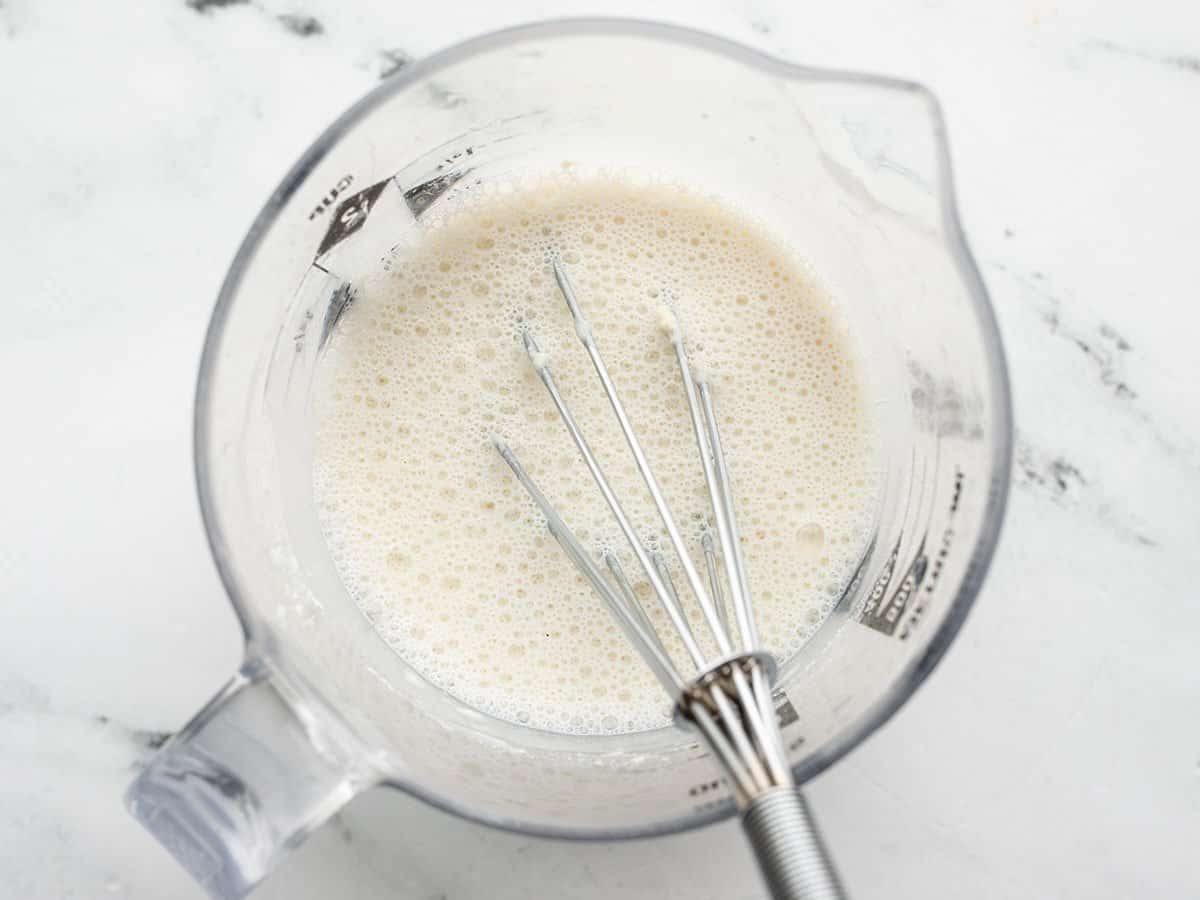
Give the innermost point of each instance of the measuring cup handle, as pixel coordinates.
(791, 855)
(248, 778)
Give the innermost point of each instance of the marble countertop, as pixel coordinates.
(1056, 751)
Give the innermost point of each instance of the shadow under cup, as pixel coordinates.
(851, 171)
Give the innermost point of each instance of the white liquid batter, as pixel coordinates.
(440, 546)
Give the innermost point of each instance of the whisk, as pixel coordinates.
(726, 697)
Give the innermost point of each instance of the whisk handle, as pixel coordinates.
(790, 852)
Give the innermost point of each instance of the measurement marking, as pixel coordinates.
(327, 201)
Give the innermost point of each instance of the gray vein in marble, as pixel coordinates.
(8, 22)
(1103, 350)
(871, 148)
(23, 704)
(338, 823)
(142, 739)
(1107, 351)
(444, 96)
(1184, 62)
(19, 695)
(301, 25)
(939, 406)
(206, 5)
(393, 61)
(849, 181)
(1055, 477)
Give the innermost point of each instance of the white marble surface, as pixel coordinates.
(1055, 753)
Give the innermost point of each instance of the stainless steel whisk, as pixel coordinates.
(727, 698)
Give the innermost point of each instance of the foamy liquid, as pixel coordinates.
(440, 546)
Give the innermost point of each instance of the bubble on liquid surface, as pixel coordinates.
(441, 547)
(810, 538)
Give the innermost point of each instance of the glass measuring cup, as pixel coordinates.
(851, 170)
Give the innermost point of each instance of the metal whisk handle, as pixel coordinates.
(790, 852)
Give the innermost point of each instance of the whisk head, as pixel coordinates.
(726, 695)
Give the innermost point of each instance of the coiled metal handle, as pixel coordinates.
(790, 852)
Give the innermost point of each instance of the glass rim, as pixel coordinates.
(917, 669)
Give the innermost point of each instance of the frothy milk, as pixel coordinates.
(439, 545)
